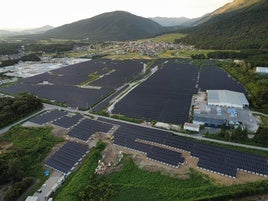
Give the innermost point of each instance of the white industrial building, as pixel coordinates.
(226, 98)
(262, 70)
(191, 127)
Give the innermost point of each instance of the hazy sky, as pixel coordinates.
(36, 13)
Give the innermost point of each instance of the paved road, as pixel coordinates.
(47, 188)
(259, 113)
(2, 131)
(197, 137)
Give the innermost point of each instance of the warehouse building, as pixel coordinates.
(226, 98)
(223, 107)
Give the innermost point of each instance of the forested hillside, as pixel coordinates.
(116, 25)
(245, 28)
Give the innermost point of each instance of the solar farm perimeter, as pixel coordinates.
(166, 96)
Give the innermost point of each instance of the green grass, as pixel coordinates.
(168, 38)
(164, 54)
(134, 55)
(28, 148)
(79, 180)
(56, 41)
(264, 121)
(133, 183)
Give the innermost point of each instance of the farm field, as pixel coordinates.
(90, 81)
(165, 96)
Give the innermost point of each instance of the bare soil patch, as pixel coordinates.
(5, 145)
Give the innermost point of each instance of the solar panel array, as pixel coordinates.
(87, 127)
(216, 78)
(165, 156)
(99, 107)
(64, 87)
(67, 157)
(217, 159)
(227, 162)
(67, 121)
(165, 96)
(126, 136)
(48, 116)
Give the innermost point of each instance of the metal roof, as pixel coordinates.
(227, 98)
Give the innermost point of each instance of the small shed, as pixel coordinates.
(191, 127)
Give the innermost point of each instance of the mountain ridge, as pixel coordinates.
(116, 25)
(37, 30)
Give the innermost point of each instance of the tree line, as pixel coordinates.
(9, 48)
(50, 48)
(254, 57)
(29, 57)
(13, 109)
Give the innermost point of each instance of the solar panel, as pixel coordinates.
(217, 159)
(67, 122)
(88, 127)
(66, 157)
(48, 116)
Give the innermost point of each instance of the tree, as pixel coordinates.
(96, 190)
(12, 109)
(15, 169)
(239, 135)
(261, 136)
(198, 56)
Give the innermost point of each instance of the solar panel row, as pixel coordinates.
(87, 127)
(48, 116)
(218, 159)
(126, 137)
(67, 157)
(165, 96)
(99, 107)
(67, 121)
(65, 89)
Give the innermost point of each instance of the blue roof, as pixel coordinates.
(209, 120)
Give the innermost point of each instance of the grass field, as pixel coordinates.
(168, 38)
(27, 147)
(164, 54)
(134, 55)
(133, 183)
(33, 145)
